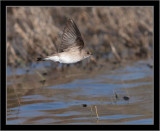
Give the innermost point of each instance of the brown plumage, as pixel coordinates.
(71, 48)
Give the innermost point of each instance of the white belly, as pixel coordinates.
(68, 59)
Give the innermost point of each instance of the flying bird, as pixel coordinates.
(71, 49)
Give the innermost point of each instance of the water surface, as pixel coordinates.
(93, 99)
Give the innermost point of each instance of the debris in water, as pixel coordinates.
(42, 81)
(116, 96)
(84, 105)
(150, 65)
(44, 74)
(126, 98)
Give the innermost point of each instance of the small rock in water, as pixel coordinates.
(84, 105)
(126, 98)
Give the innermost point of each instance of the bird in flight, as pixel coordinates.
(71, 49)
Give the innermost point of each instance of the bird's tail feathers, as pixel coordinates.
(40, 59)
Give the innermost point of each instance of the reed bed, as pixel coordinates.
(118, 33)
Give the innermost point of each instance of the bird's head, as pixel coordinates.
(86, 53)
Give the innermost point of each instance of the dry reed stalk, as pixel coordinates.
(115, 52)
(96, 112)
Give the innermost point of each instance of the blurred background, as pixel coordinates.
(119, 73)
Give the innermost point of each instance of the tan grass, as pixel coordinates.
(33, 31)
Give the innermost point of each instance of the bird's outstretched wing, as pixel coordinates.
(71, 37)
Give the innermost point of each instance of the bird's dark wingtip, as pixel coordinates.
(39, 59)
